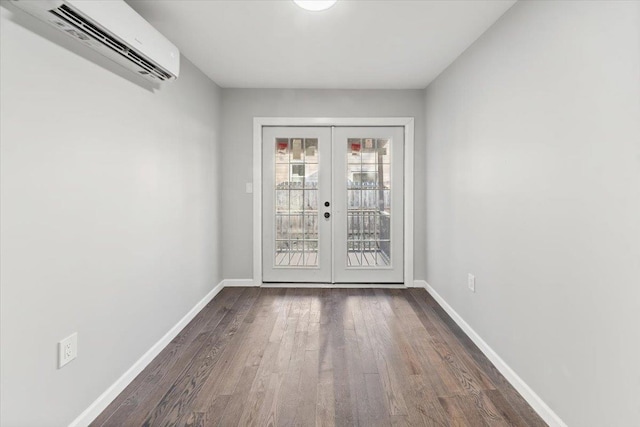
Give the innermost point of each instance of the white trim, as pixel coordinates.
(334, 151)
(332, 121)
(335, 285)
(407, 122)
(409, 178)
(518, 383)
(99, 405)
(90, 414)
(419, 284)
(257, 201)
(237, 283)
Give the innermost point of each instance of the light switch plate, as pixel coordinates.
(471, 282)
(249, 187)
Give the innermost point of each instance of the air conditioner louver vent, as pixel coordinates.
(85, 27)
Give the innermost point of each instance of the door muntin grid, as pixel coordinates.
(368, 178)
(296, 217)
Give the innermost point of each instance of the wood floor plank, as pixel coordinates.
(405, 355)
(453, 331)
(435, 414)
(315, 306)
(162, 363)
(288, 405)
(293, 399)
(281, 321)
(320, 357)
(433, 369)
(216, 358)
(405, 359)
(367, 359)
(325, 400)
(308, 389)
(439, 333)
(171, 406)
(196, 419)
(383, 348)
(144, 399)
(247, 343)
(268, 414)
(234, 408)
(248, 413)
(455, 413)
(325, 405)
(506, 411)
(485, 407)
(355, 375)
(212, 415)
(437, 319)
(355, 380)
(345, 404)
(381, 303)
(376, 408)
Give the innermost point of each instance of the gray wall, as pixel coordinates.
(240, 106)
(110, 216)
(533, 185)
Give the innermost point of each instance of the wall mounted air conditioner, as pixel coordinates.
(115, 30)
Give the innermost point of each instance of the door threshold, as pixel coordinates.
(337, 285)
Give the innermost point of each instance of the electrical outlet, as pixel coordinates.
(471, 282)
(67, 349)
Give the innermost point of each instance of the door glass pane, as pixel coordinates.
(282, 227)
(369, 152)
(311, 176)
(282, 252)
(310, 227)
(296, 202)
(282, 201)
(282, 150)
(297, 150)
(282, 176)
(384, 150)
(368, 202)
(311, 252)
(311, 201)
(311, 150)
(354, 151)
(354, 199)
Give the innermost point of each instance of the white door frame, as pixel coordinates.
(406, 122)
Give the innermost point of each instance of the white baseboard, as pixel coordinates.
(335, 285)
(518, 383)
(250, 282)
(419, 284)
(86, 417)
(231, 283)
(99, 405)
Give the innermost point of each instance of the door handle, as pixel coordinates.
(327, 214)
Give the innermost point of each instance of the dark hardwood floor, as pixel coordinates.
(324, 357)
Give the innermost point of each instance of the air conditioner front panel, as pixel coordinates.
(127, 25)
(115, 30)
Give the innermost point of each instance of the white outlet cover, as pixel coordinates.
(471, 282)
(67, 349)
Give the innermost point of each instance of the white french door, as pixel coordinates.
(296, 185)
(332, 204)
(368, 181)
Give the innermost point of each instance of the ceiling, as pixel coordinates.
(384, 44)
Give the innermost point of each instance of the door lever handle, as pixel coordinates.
(327, 214)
